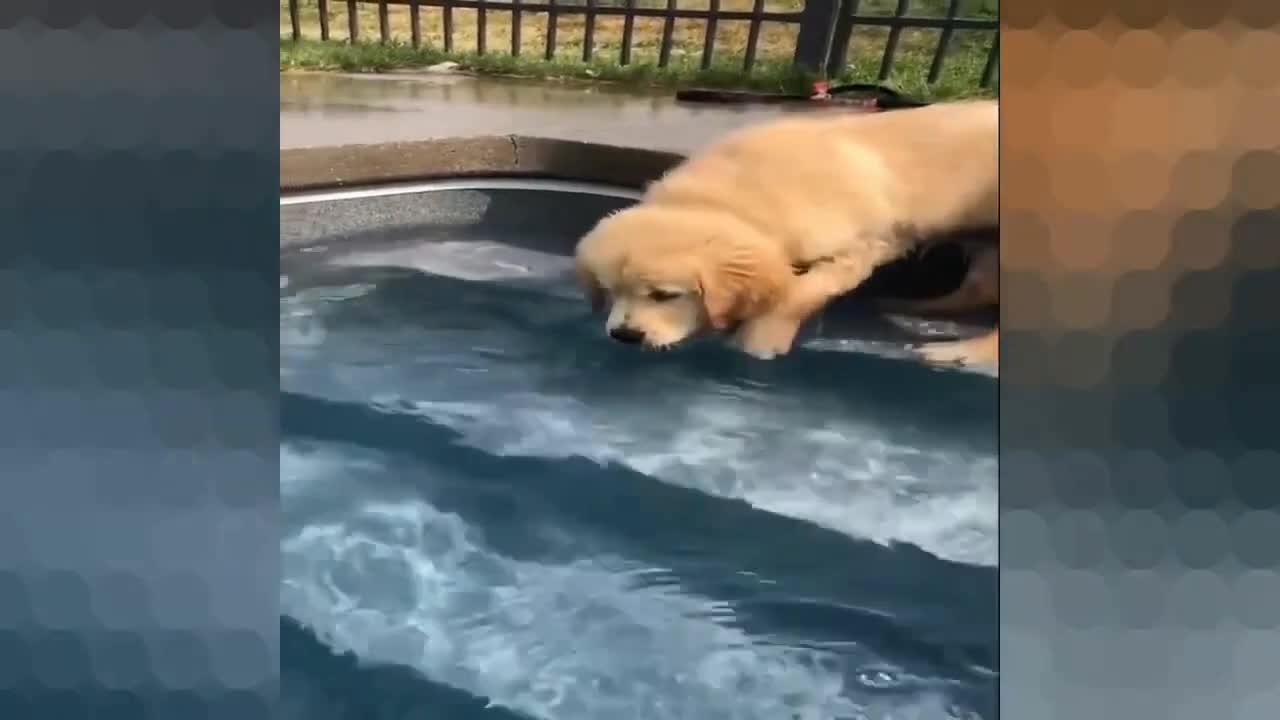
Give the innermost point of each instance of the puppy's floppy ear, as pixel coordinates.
(720, 298)
(741, 284)
(590, 287)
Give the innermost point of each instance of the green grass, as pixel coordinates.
(379, 58)
(772, 71)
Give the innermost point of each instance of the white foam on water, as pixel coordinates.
(397, 581)
(807, 456)
(856, 478)
(463, 260)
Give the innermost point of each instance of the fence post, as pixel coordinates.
(840, 37)
(294, 22)
(813, 42)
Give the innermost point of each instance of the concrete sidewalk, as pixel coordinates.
(320, 109)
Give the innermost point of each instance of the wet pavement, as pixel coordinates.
(321, 109)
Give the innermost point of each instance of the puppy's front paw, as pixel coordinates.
(944, 353)
(766, 338)
(976, 351)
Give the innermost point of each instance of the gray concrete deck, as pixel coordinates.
(321, 109)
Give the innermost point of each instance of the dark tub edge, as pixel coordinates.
(350, 166)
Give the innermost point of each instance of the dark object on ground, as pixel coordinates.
(861, 95)
(930, 271)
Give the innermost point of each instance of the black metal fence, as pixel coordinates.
(825, 28)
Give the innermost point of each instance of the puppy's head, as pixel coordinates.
(665, 274)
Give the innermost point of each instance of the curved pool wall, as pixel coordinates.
(392, 203)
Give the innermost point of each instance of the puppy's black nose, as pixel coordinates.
(628, 335)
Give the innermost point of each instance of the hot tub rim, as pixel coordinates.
(346, 167)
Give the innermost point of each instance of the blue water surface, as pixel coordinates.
(492, 511)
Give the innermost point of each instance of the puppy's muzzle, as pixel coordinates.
(627, 335)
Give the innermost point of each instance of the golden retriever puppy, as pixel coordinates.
(760, 230)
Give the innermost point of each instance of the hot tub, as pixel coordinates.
(492, 510)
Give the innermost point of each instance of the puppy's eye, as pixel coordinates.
(660, 295)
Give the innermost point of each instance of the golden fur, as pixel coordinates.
(760, 230)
